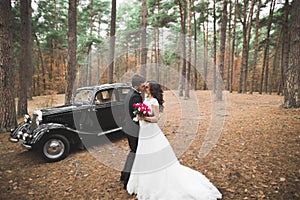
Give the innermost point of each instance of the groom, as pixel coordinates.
(131, 128)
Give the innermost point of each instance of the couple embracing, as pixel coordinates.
(152, 170)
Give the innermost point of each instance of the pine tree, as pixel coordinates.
(7, 100)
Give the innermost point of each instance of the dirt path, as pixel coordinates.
(256, 156)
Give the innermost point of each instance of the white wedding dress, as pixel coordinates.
(157, 174)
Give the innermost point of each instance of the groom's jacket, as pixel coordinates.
(131, 127)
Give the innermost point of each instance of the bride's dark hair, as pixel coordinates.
(157, 92)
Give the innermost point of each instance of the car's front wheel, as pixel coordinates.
(54, 148)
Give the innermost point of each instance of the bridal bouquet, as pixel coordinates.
(140, 109)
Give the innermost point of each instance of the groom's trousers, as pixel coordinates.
(125, 174)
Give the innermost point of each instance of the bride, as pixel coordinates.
(156, 173)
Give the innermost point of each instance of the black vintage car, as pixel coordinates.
(95, 111)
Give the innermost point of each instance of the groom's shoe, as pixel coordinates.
(122, 179)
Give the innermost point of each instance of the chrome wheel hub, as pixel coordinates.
(54, 148)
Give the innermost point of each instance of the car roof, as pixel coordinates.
(105, 86)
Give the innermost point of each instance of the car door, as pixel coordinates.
(83, 115)
(119, 109)
(105, 105)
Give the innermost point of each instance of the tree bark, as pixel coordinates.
(205, 50)
(189, 51)
(112, 41)
(72, 41)
(182, 7)
(90, 46)
(273, 75)
(222, 51)
(256, 50)
(29, 53)
(25, 57)
(244, 51)
(292, 81)
(215, 48)
(143, 69)
(265, 69)
(233, 46)
(229, 45)
(285, 47)
(42, 63)
(195, 53)
(7, 100)
(156, 32)
(246, 56)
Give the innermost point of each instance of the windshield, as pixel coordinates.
(83, 97)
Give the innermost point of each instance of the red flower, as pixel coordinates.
(141, 109)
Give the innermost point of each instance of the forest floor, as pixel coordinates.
(255, 157)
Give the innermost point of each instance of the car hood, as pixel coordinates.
(59, 109)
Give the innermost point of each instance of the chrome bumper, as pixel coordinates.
(15, 140)
(26, 146)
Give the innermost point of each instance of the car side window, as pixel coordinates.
(105, 96)
(122, 92)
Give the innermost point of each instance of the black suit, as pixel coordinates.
(131, 129)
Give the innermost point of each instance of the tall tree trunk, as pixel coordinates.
(285, 47)
(189, 51)
(127, 54)
(273, 75)
(228, 45)
(244, 51)
(215, 48)
(112, 41)
(156, 32)
(42, 62)
(182, 7)
(246, 57)
(25, 55)
(99, 59)
(90, 46)
(222, 51)
(195, 53)
(265, 69)
(290, 97)
(233, 46)
(256, 50)
(72, 41)
(205, 57)
(143, 70)
(29, 53)
(53, 48)
(7, 100)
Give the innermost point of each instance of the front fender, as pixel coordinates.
(24, 127)
(43, 129)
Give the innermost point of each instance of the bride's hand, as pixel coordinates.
(139, 117)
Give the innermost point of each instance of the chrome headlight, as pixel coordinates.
(20, 133)
(26, 118)
(39, 117)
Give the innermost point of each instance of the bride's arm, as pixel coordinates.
(154, 118)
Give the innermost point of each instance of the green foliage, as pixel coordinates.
(162, 13)
(50, 28)
(128, 16)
